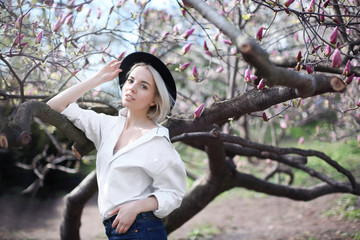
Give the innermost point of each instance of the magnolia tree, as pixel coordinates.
(244, 70)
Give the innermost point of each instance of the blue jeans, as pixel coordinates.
(145, 227)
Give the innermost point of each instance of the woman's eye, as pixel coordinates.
(130, 80)
(143, 86)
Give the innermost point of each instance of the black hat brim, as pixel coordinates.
(144, 57)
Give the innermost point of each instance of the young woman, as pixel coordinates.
(140, 175)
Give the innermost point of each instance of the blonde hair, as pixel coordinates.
(163, 100)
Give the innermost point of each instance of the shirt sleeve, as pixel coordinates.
(86, 120)
(169, 177)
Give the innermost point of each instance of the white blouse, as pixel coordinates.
(149, 166)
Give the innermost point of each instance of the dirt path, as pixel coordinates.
(235, 218)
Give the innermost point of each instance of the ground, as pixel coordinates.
(231, 217)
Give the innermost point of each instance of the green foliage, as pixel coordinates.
(202, 232)
(347, 207)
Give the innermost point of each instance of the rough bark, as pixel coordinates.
(74, 204)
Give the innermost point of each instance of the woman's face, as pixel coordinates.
(138, 92)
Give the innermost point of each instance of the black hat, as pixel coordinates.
(144, 57)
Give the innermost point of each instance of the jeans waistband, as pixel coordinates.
(143, 215)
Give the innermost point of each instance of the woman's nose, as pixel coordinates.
(132, 88)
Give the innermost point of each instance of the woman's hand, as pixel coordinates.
(110, 71)
(126, 215)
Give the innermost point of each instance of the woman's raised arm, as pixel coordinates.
(106, 74)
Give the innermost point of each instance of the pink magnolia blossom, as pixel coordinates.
(326, 3)
(350, 78)
(199, 111)
(18, 22)
(88, 13)
(205, 46)
(333, 37)
(311, 7)
(68, 19)
(18, 38)
(288, 3)
(176, 30)
(298, 57)
(247, 75)
(264, 117)
(121, 56)
(358, 103)
(309, 69)
(80, 7)
(261, 84)
(186, 49)
(259, 34)
(322, 17)
(23, 44)
(327, 51)
(57, 25)
(208, 53)
(39, 37)
(301, 140)
(98, 13)
(347, 68)
(184, 66)
(336, 59)
(219, 69)
(296, 36)
(187, 34)
(228, 42)
(195, 72)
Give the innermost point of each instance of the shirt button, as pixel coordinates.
(136, 230)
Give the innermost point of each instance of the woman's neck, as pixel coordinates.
(138, 120)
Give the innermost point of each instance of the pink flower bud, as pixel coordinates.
(39, 37)
(288, 3)
(264, 117)
(253, 77)
(311, 7)
(315, 49)
(195, 72)
(208, 53)
(301, 140)
(88, 13)
(188, 33)
(309, 69)
(80, 7)
(227, 42)
(184, 66)
(121, 56)
(49, 2)
(347, 68)
(68, 19)
(176, 30)
(205, 46)
(57, 25)
(296, 36)
(298, 57)
(186, 4)
(322, 17)
(82, 48)
(18, 38)
(18, 22)
(259, 34)
(199, 111)
(247, 75)
(326, 3)
(261, 84)
(186, 49)
(333, 37)
(23, 44)
(358, 103)
(219, 69)
(98, 13)
(336, 59)
(350, 78)
(327, 51)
